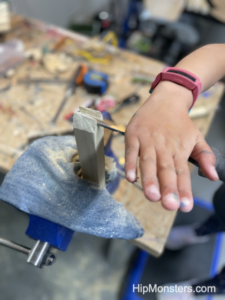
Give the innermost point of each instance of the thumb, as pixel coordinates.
(206, 159)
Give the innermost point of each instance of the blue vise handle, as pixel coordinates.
(56, 235)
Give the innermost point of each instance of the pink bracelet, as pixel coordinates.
(182, 77)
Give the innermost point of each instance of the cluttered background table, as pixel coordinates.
(37, 66)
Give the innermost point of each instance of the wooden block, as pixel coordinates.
(90, 145)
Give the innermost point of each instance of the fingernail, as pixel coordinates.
(184, 202)
(153, 192)
(171, 198)
(213, 172)
(131, 175)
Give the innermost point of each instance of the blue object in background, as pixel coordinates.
(132, 12)
(56, 235)
(95, 82)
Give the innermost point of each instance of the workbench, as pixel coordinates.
(26, 109)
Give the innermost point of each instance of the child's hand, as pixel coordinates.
(164, 136)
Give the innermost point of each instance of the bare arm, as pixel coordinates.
(164, 136)
(208, 63)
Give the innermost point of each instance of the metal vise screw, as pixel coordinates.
(38, 256)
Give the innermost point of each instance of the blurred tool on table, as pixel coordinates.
(76, 80)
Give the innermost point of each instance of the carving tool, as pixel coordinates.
(76, 81)
(43, 81)
(112, 127)
(134, 98)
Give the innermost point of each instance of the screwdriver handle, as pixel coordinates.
(78, 76)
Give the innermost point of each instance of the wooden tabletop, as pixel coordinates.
(26, 110)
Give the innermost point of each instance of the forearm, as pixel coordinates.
(208, 63)
(164, 136)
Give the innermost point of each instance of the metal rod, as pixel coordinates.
(41, 81)
(14, 246)
(111, 128)
(37, 253)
